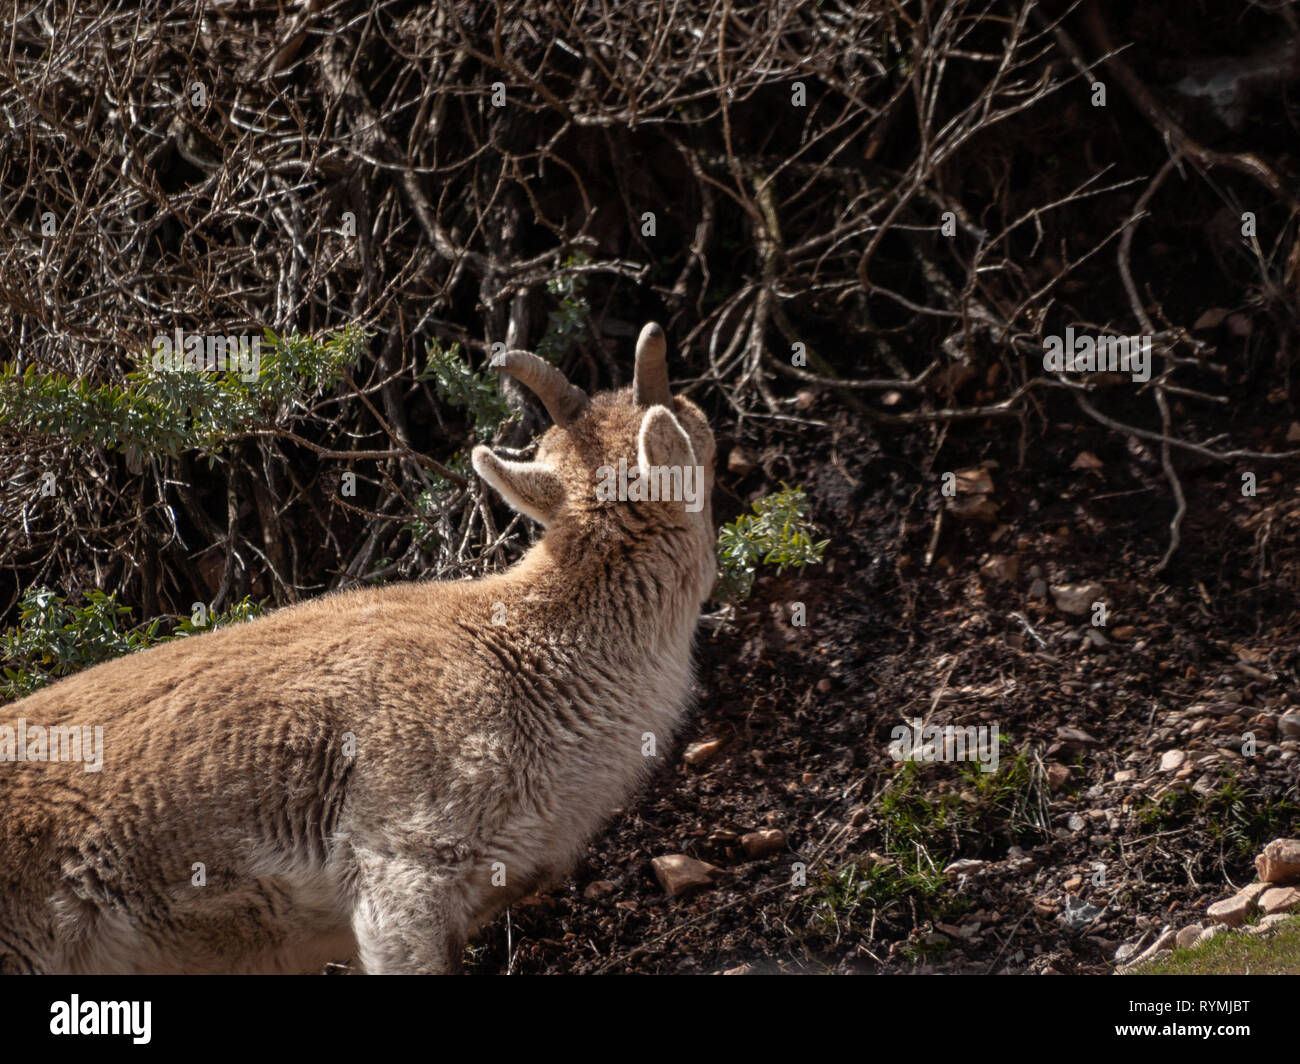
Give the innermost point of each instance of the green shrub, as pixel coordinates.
(570, 320)
(54, 639)
(170, 412)
(775, 533)
(457, 385)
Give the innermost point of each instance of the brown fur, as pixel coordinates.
(480, 747)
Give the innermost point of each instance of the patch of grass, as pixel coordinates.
(1005, 807)
(862, 886)
(922, 831)
(1236, 816)
(1237, 954)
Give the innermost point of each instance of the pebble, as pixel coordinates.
(763, 843)
(1172, 760)
(1269, 922)
(1210, 933)
(1076, 599)
(679, 874)
(698, 753)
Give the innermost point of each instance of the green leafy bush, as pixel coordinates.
(775, 533)
(566, 323)
(54, 639)
(459, 386)
(170, 412)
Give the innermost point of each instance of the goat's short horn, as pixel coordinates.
(563, 401)
(650, 380)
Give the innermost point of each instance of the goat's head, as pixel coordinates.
(665, 478)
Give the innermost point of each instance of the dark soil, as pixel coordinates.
(805, 715)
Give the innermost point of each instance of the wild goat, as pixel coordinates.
(375, 773)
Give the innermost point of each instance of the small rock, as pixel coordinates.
(974, 481)
(1266, 925)
(763, 843)
(1280, 861)
(598, 889)
(1186, 938)
(678, 874)
(974, 508)
(1074, 735)
(1288, 726)
(1076, 599)
(744, 969)
(1279, 900)
(1210, 933)
(698, 753)
(1172, 760)
(1125, 775)
(1126, 951)
(740, 462)
(1234, 911)
(964, 866)
(1001, 567)
(1057, 776)
(1123, 633)
(1158, 949)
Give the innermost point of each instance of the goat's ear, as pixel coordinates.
(662, 441)
(530, 487)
